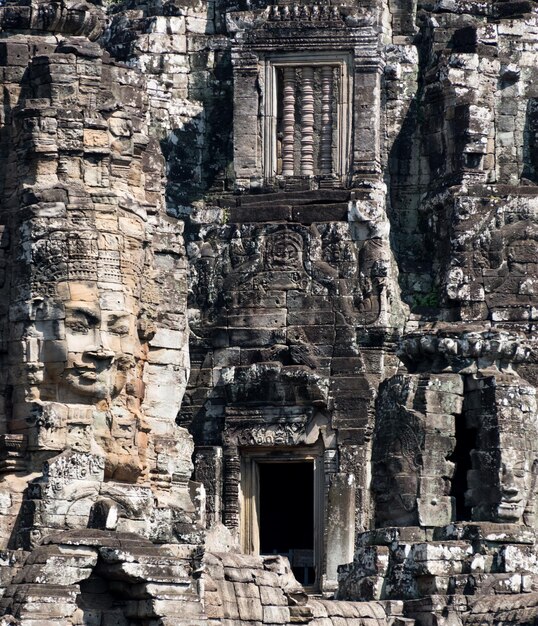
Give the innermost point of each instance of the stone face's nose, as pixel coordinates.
(508, 483)
(510, 489)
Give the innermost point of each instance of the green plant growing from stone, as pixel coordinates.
(430, 299)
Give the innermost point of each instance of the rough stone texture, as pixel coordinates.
(237, 234)
(264, 591)
(94, 332)
(95, 576)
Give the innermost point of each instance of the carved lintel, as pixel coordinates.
(283, 434)
(71, 465)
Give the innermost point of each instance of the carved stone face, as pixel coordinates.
(514, 485)
(100, 344)
(502, 481)
(285, 249)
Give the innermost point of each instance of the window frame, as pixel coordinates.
(340, 60)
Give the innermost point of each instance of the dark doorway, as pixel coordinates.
(286, 510)
(465, 444)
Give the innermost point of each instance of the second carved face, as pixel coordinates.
(99, 345)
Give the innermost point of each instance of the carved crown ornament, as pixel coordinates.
(83, 256)
(458, 350)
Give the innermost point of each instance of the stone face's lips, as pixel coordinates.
(88, 375)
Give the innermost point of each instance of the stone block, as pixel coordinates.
(14, 54)
(516, 558)
(247, 590)
(51, 574)
(199, 24)
(276, 615)
(272, 596)
(371, 560)
(250, 609)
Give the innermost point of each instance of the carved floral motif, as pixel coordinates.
(288, 434)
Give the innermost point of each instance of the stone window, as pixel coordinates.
(306, 118)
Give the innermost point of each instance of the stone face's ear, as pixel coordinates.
(104, 515)
(530, 515)
(146, 326)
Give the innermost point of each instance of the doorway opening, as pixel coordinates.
(283, 508)
(465, 443)
(286, 515)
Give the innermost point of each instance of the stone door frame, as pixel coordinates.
(249, 496)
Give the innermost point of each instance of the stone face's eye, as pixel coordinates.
(80, 321)
(119, 325)
(77, 326)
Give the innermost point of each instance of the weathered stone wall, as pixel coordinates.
(373, 312)
(94, 352)
(183, 51)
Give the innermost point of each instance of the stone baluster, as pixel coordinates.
(288, 122)
(307, 122)
(326, 139)
(232, 478)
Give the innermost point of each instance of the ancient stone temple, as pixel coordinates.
(269, 313)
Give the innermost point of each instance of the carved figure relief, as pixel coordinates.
(284, 249)
(397, 455)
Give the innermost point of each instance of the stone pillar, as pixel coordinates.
(288, 122)
(307, 122)
(12, 453)
(208, 471)
(247, 140)
(340, 526)
(366, 159)
(440, 398)
(326, 139)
